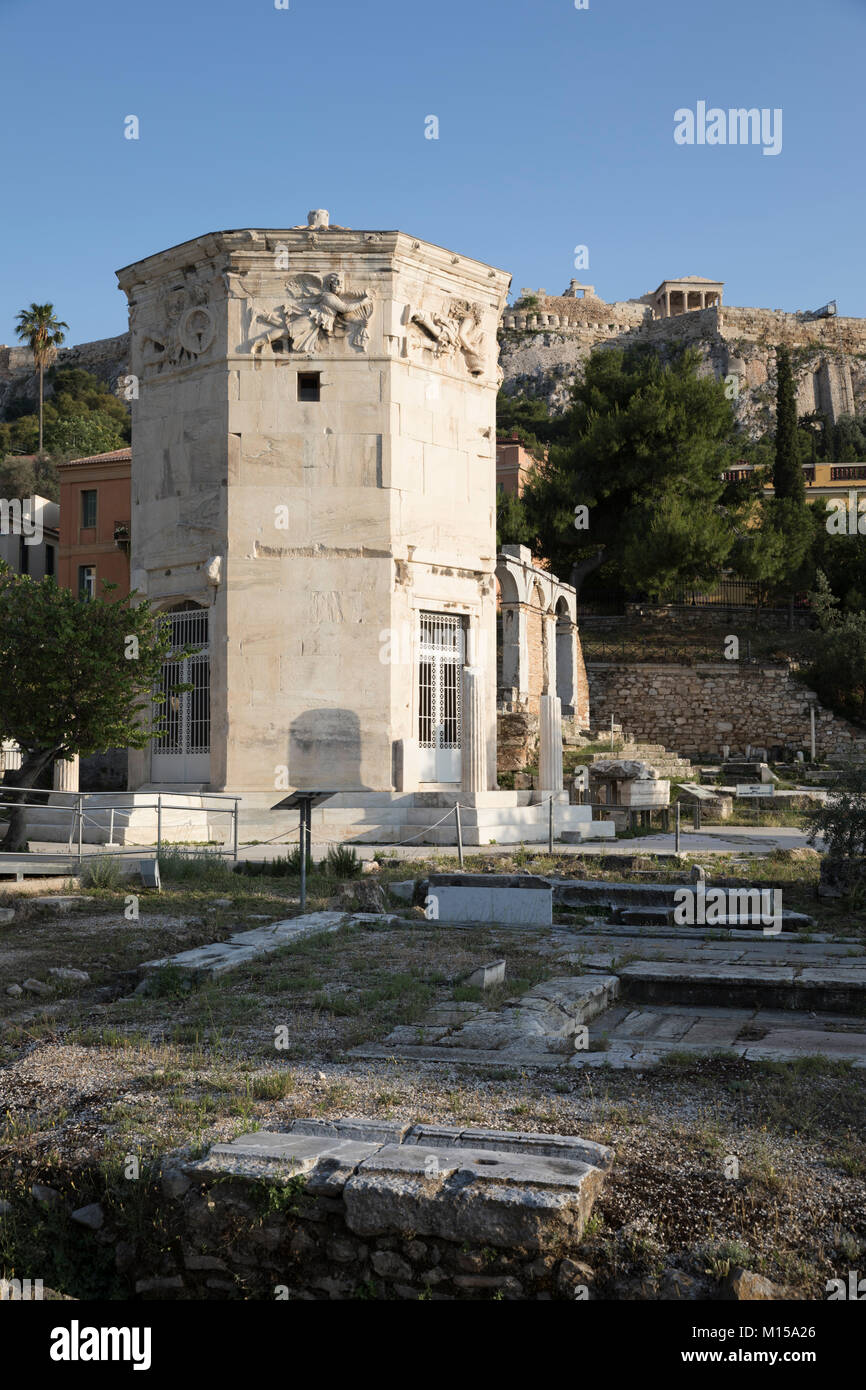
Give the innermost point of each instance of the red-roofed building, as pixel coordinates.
(94, 522)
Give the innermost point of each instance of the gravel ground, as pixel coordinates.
(101, 1077)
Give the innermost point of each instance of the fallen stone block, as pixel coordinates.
(504, 899)
(745, 1285)
(91, 1216)
(58, 904)
(62, 972)
(471, 1195)
(487, 975)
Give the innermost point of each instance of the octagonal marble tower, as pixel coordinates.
(313, 499)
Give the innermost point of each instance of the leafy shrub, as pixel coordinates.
(189, 865)
(101, 871)
(283, 866)
(842, 818)
(342, 861)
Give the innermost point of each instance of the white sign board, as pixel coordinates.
(754, 789)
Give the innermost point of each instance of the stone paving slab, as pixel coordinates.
(644, 1036)
(242, 947)
(545, 1018)
(546, 1145)
(364, 1130)
(328, 1161)
(808, 1041)
(463, 1056)
(493, 1165)
(640, 1054)
(611, 931)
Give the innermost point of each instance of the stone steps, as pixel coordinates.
(389, 818)
(669, 766)
(828, 988)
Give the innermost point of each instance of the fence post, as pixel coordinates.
(696, 816)
(302, 844)
(235, 824)
(678, 829)
(459, 833)
(550, 826)
(80, 826)
(158, 826)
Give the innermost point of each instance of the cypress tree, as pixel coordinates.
(787, 470)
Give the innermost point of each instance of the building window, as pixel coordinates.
(88, 507)
(309, 386)
(49, 560)
(23, 556)
(87, 581)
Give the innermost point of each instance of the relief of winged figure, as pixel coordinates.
(318, 309)
(461, 331)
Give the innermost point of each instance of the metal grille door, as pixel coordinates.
(182, 751)
(440, 669)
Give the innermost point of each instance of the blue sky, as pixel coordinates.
(555, 129)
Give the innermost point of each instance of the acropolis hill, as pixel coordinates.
(544, 345)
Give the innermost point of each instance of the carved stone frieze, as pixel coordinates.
(320, 311)
(184, 330)
(456, 332)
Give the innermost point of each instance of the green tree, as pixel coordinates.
(787, 467)
(512, 525)
(838, 669)
(43, 333)
(78, 677)
(842, 819)
(848, 439)
(530, 419)
(29, 477)
(94, 432)
(645, 445)
(776, 546)
(81, 416)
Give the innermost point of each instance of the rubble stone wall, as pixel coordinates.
(697, 709)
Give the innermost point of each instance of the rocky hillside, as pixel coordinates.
(107, 358)
(544, 347)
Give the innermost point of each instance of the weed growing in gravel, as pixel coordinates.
(101, 871)
(202, 866)
(723, 1256)
(273, 1085)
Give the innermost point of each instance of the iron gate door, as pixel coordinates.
(182, 751)
(440, 679)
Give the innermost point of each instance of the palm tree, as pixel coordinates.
(43, 334)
